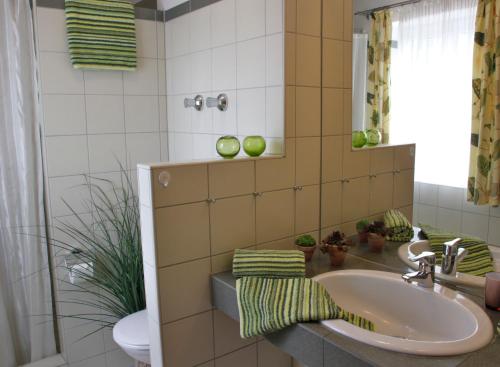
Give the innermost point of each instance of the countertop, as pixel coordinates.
(316, 346)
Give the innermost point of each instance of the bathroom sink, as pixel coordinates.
(410, 319)
(414, 248)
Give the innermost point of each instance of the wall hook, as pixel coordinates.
(220, 102)
(196, 102)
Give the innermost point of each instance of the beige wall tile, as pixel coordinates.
(333, 111)
(355, 163)
(381, 188)
(308, 113)
(290, 58)
(347, 64)
(307, 204)
(331, 204)
(325, 232)
(308, 64)
(333, 19)
(331, 160)
(277, 174)
(231, 178)
(355, 196)
(381, 160)
(349, 228)
(333, 63)
(246, 357)
(275, 215)
(232, 223)
(296, 363)
(403, 188)
(208, 364)
(184, 289)
(291, 15)
(307, 157)
(188, 342)
(347, 111)
(308, 16)
(348, 15)
(284, 244)
(404, 157)
(187, 184)
(227, 335)
(182, 233)
(271, 356)
(290, 119)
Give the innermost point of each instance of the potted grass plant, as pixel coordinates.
(376, 236)
(362, 229)
(307, 244)
(336, 246)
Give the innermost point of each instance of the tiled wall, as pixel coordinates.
(91, 121)
(191, 227)
(447, 207)
(233, 47)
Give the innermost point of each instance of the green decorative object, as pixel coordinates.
(359, 139)
(254, 146)
(373, 137)
(228, 146)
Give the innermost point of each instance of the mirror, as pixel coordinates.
(224, 70)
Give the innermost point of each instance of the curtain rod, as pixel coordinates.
(402, 3)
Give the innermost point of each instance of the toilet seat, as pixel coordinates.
(132, 334)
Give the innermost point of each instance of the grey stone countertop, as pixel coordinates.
(316, 346)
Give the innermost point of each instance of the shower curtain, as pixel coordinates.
(359, 78)
(26, 323)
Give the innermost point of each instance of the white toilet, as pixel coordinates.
(132, 335)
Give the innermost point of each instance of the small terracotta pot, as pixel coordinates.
(363, 237)
(308, 251)
(376, 242)
(337, 256)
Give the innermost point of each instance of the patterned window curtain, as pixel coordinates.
(379, 67)
(484, 169)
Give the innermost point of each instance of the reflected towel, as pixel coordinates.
(269, 263)
(101, 34)
(399, 227)
(267, 305)
(477, 262)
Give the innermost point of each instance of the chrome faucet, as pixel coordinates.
(452, 255)
(424, 276)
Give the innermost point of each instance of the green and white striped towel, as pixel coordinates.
(400, 228)
(269, 263)
(267, 305)
(101, 34)
(477, 262)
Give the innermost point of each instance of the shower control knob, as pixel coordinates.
(196, 102)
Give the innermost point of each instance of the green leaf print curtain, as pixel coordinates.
(379, 66)
(484, 169)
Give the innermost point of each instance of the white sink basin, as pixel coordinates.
(408, 318)
(414, 248)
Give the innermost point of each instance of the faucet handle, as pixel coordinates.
(427, 257)
(451, 247)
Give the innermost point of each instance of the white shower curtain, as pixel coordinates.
(26, 323)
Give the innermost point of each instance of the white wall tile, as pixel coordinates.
(163, 146)
(179, 81)
(223, 22)
(179, 117)
(146, 38)
(201, 121)
(160, 39)
(141, 114)
(251, 63)
(67, 155)
(250, 19)
(162, 77)
(106, 152)
(79, 348)
(252, 112)
(177, 36)
(450, 197)
(98, 361)
(475, 225)
(427, 214)
(143, 148)
(416, 192)
(450, 220)
(275, 112)
(51, 21)
(118, 358)
(144, 80)
(494, 231)
(72, 190)
(274, 60)
(58, 75)
(224, 67)
(103, 82)
(224, 122)
(199, 28)
(162, 106)
(64, 114)
(181, 146)
(201, 71)
(493, 211)
(203, 146)
(104, 114)
(428, 194)
(274, 16)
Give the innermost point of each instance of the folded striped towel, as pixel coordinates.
(399, 227)
(269, 263)
(478, 260)
(101, 34)
(267, 305)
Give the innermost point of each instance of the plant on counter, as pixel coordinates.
(336, 245)
(307, 244)
(362, 229)
(376, 236)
